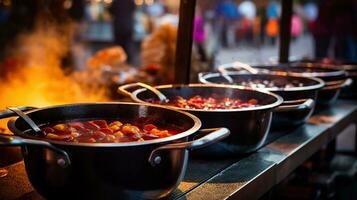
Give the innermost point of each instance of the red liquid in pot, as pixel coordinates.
(104, 131)
(210, 103)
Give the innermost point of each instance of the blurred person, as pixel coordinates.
(345, 29)
(257, 30)
(296, 27)
(141, 25)
(273, 9)
(154, 12)
(156, 9)
(272, 25)
(171, 14)
(322, 29)
(263, 19)
(122, 12)
(311, 12)
(94, 11)
(243, 30)
(272, 30)
(212, 39)
(199, 34)
(228, 15)
(248, 10)
(336, 27)
(167, 18)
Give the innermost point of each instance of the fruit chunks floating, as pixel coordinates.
(210, 103)
(103, 131)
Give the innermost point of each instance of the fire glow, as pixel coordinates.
(35, 77)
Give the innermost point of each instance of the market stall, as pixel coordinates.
(249, 176)
(173, 126)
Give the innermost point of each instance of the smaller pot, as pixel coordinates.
(306, 94)
(249, 126)
(334, 79)
(350, 68)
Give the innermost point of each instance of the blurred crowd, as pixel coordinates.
(229, 24)
(335, 30)
(146, 30)
(218, 23)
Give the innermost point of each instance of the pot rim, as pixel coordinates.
(196, 126)
(319, 83)
(328, 72)
(336, 66)
(279, 100)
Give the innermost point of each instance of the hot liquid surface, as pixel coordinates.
(108, 131)
(210, 103)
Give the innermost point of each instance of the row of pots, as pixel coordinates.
(152, 169)
(281, 107)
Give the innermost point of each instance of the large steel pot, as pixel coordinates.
(291, 95)
(132, 170)
(249, 126)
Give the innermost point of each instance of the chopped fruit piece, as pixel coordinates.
(98, 131)
(60, 127)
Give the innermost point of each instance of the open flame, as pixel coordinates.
(37, 78)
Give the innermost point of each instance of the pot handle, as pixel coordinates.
(8, 113)
(223, 68)
(237, 66)
(10, 140)
(213, 135)
(124, 90)
(300, 104)
(202, 77)
(333, 85)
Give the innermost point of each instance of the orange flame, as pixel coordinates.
(39, 80)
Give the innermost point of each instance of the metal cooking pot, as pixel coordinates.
(249, 126)
(292, 95)
(10, 155)
(334, 79)
(350, 68)
(132, 170)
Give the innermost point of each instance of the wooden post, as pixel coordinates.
(287, 6)
(184, 41)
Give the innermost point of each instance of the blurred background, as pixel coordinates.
(92, 46)
(71, 51)
(225, 30)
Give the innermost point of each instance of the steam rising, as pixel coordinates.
(38, 80)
